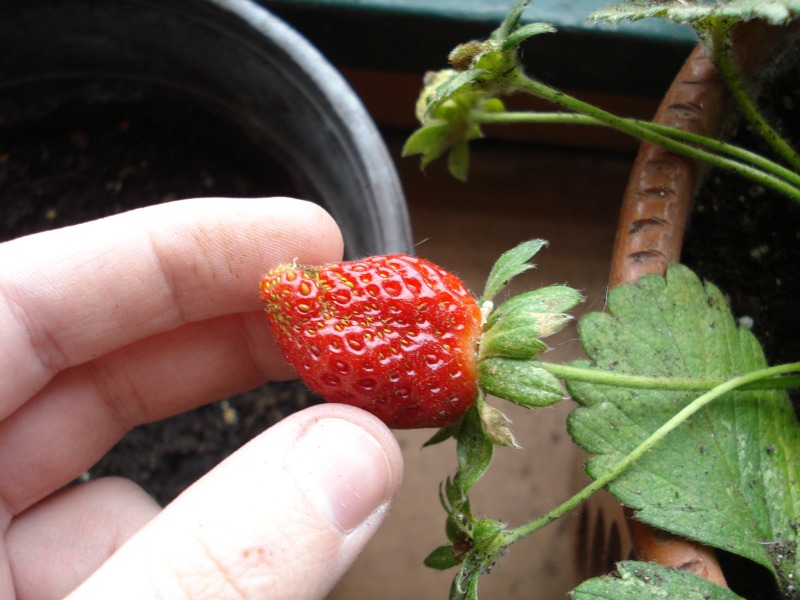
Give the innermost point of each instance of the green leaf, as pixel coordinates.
(776, 12)
(442, 558)
(474, 451)
(519, 381)
(510, 264)
(643, 581)
(728, 477)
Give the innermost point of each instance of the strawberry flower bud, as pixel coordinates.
(444, 110)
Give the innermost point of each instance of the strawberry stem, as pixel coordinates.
(643, 131)
(643, 382)
(722, 56)
(742, 381)
(678, 135)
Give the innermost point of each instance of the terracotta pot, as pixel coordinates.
(653, 218)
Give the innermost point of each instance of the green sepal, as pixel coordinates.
(429, 139)
(442, 558)
(510, 22)
(458, 526)
(493, 105)
(493, 60)
(513, 342)
(521, 34)
(458, 160)
(515, 329)
(496, 425)
(449, 87)
(465, 583)
(510, 264)
(474, 450)
(451, 529)
(519, 381)
(485, 532)
(551, 299)
(453, 495)
(444, 434)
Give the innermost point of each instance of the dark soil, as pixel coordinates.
(746, 238)
(66, 171)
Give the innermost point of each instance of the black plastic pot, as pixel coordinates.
(227, 70)
(207, 94)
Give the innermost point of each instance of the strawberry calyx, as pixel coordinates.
(511, 341)
(509, 368)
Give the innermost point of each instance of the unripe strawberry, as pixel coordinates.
(395, 335)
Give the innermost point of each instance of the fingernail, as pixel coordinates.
(343, 471)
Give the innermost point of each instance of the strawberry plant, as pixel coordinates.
(456, 102)
(685, 422)
(690, 463)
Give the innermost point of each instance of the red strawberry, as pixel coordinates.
(395, 335)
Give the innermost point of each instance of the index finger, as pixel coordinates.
(74, 294)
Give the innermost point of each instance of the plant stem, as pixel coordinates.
(534, 117)
(514, 535)
(710, 144)
(642, 382)
(741, 154)
(641, 130)
(723, 58)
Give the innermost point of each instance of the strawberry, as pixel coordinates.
(395, 335)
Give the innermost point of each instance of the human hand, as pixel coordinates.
(140, 316)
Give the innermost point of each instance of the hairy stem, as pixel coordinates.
(618, 469)
(641, 130)
(723, 58)
(712, 145)
(642, 382)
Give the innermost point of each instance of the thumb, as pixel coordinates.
(283, 517)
